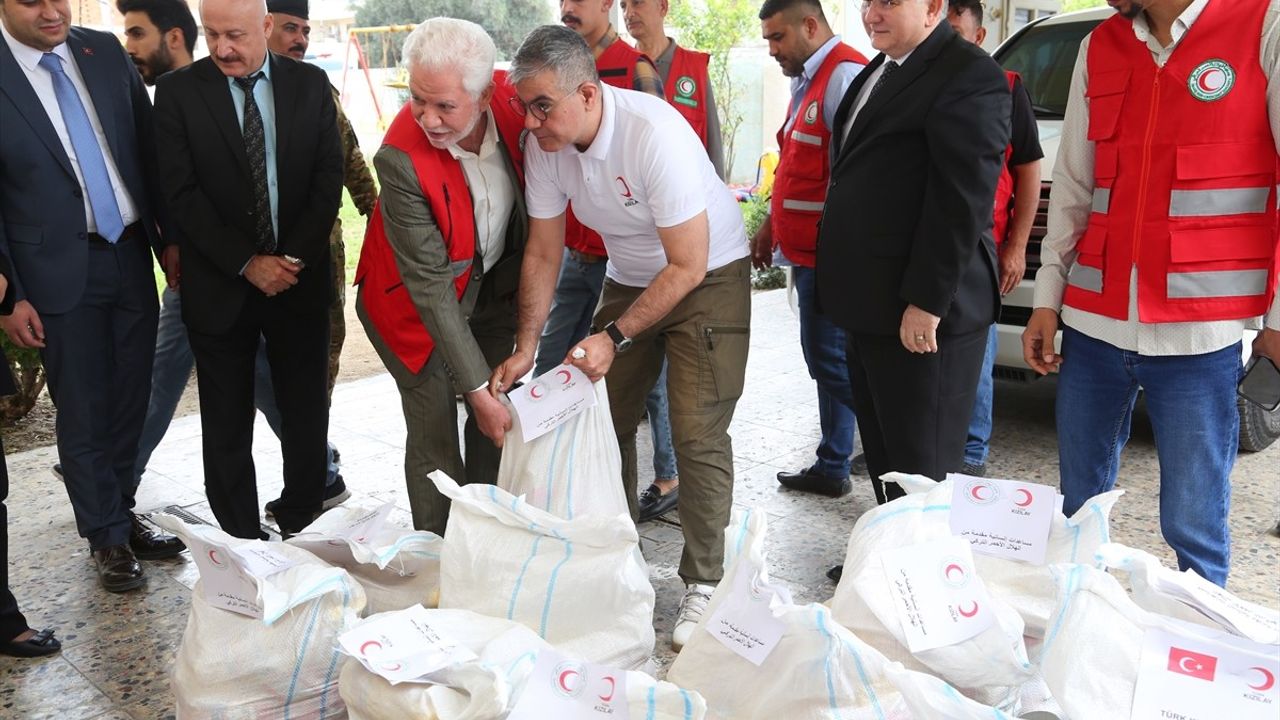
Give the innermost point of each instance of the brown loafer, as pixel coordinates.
(149, 543)
(118, 569)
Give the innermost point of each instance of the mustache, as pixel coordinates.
(570, 19)
(299, 47)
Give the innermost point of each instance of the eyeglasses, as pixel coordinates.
(881, 5)
(540, 109)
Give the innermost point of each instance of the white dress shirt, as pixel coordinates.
(492, 194)
(1072, 198)
(42, 82)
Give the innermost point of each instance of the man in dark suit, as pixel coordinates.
(78, 224)
(905, 259)
(251, 164)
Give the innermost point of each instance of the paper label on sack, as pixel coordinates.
(1003, 518)
(937, 593)
(1191, 677)
(403, 646)
(260, 560)
(226, 583)
(567, 689)
(1245, 618)
(551, 399)
(744, 622)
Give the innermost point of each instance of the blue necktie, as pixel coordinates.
(93, 168)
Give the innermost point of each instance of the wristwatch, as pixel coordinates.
(620, 342)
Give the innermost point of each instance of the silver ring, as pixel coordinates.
(578, 353)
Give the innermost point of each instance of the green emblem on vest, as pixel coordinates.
(811, 113)
(685, 88)
(1211, 80)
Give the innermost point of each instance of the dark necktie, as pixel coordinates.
(889, 67)
(255, 146)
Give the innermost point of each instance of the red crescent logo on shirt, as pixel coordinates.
(623, 189)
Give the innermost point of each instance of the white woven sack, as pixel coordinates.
(817, 671)
(488, 687)
(581, 584)
(398, 568)
(1189, 597)
(989, 667)
(1028, 588)
(285, 665)
(572, 470)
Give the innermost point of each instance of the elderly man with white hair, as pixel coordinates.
(441, 258)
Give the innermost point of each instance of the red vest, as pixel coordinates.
(1185, 174)
(1004, 186)
(804, 166)
(617, 67)
(686, 87)
(443, 184)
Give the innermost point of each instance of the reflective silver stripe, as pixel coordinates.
(1218, 283)
(460, 267)
(1227, 201)
(806, 205)
(1101, 200)
(806, 138)
(1085, 278)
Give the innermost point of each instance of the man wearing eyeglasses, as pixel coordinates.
(905, 260)
(441, 258)
(678, 276)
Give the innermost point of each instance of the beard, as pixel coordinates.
(442, 142)
(155, 65)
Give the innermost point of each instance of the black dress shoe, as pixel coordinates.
(836, 573)
(149, 543)
(808, 480)
(858, 465)
(118, 569)
(653, 503)
(38, 645)
(334, 495)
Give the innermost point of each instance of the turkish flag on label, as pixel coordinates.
(1195, 664)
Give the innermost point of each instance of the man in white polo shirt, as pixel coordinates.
(677, 284)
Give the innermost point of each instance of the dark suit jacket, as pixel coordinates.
(42, 219)
(909, 209)
(7, 386)
(205, 175)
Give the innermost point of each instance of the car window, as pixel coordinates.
(1045, 56)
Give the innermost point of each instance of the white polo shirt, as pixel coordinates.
(646, 169)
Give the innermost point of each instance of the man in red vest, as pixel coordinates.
(1162, 250)
(821, 67)
(1017, 197)
(441, 258)
(684, 73)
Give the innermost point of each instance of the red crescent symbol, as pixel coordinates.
(626, 190)
(213, 557)
(974, 492)
(533, 392)
(364, 649)
(564, 684)
(612, 686)
(953, 566)
(972, 612)
(567, 376)
(1026, 493)
(1268, 682)
(391, 667)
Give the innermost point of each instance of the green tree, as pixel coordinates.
(507, 21)
(715, 27)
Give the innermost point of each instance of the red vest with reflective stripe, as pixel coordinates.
(617, 67)
(1185, 174)
(443, 184)
(1004, 186)
(804, 166)
(686, 88)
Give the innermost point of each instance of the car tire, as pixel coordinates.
(1258, 428)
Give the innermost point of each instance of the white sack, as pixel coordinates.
(572, 470)
(398, 568)
(818, 670)
(232, 667)
(581, 584)
(488, 687)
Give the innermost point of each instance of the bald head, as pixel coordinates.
(236, 32)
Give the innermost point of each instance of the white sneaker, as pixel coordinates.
(692, 606)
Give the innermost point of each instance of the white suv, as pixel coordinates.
(1044, 54)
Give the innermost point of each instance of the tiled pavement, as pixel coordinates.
(118, 648)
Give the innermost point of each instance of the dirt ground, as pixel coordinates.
(358, 361)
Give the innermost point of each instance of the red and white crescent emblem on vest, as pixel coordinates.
(1211, 80)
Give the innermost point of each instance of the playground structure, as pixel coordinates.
(400, 80)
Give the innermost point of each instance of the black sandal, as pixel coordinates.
(38, 645)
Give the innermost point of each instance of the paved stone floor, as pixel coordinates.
(118, 648)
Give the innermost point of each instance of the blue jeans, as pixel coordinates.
(169, 373)
(979, 442)
(577, 294)
(1191, 400)
(823, 345)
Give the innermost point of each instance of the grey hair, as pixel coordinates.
(558, 49)
(440, 42)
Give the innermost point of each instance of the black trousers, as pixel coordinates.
(298, 353)
(12, 623)
(913, 409)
